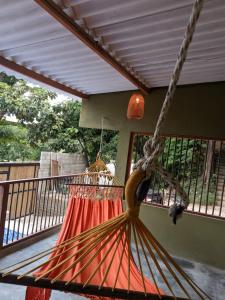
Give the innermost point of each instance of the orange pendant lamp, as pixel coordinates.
(136, 107)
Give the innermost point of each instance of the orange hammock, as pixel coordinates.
(90, 206)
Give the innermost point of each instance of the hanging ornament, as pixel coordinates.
(136, 107)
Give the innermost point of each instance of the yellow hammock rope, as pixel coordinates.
(128, 224)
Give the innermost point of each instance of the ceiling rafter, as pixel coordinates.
(39, 77)
(56, 12)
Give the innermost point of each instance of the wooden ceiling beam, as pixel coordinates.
(56, 12)
(41, 78)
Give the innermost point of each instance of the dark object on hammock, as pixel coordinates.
(175, 211)
(142, 189)
(144, 192)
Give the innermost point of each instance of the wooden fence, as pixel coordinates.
(18, 170)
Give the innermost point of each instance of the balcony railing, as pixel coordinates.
(31, 206)
(198, 164)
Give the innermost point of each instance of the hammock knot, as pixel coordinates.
(152, 150)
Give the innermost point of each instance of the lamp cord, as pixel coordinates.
(101, 138)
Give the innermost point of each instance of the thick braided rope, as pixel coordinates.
(154, 146)
(177, 69)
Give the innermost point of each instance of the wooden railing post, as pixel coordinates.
(4, 191)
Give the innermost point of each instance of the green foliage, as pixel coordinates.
(183, 157)
(109, 147)
(9, 80)
(198, 193)
(24, 102)
(21, 100)
(45, 126)
(185, 160)
(59, 127)
(14, 145)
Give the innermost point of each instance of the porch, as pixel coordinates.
(101, 51)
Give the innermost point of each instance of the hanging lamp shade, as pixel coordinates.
(136, 107)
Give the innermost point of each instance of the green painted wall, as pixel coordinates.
(197, 110)
(197, 238)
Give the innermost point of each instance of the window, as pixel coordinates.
(198, 164)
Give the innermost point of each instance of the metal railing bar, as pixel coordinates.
(160, 178)
(43, 205)
(174, 154)
(208, 186)
(202, 188)
(25, 215)
(48, 183)
(30, 206)
(9, 216)
(3, 210)
(38, 204)
(96, 185)
(54, 203)
(167, 161)
(185, 162)
(21, 207)
(34, 202)
(197, 175)
(60, 203)
(217, 176)
(14, 224)
(50, 212)
(66, 196)
(191, 168)
(180, 160)
(221, 201)
(45, 178)
(20, 191)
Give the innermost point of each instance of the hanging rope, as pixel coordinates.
(154, 146)
(99, 165)
(101, 138)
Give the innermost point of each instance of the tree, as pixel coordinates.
(22, 100)
(49, 127)
(59, 127)
(14, 144)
